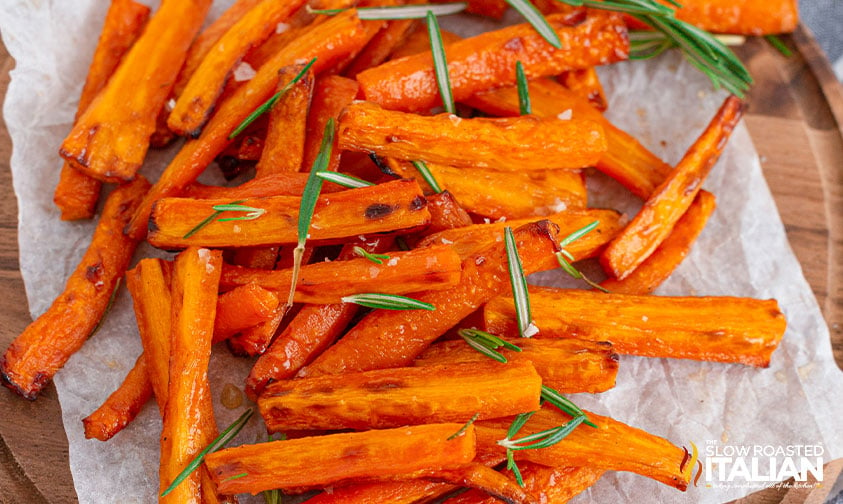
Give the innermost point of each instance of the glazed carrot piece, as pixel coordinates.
(673, 197)
(553, 485)
(488, 60)
(386, 398)
(586, 83)
(332, 94)
(390, 453)
(391, 206)
(386, 339)
(746, 17)
(277, 184)
(77, 194)
(122, 406)
(672, 251)
(110, 140)
(199, 95)
(445, 212)
(35, 356)
(189, 423)
(243, 307)
(394, 492)
(486, 481)
(419, 42)
(494, 9)
(508, 144)
(329, 42)
(719, 329)
(254, 340)
(568, 366)
(382, 45)
(256, 257)
(285, 134)
(612, 446)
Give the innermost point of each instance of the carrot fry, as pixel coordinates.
(612, 446)
(419, 42)
(586, 83)
(568, 366)
(386, 339)
(35, 356)
(672, 198)
(277, 184)
(255, 340)
(445, 213)
(110, 140)
(494, 9)
(672, 251)
(553, 485)
(510, 144)
(397, 205)
(329, 42)
(122, 406)
(243, 307)
(194, 104)
(77, 194)
(488, 60)
(285, 134)
(747, 17)
(256, 257)
(385, 398)
(189, 423)
(381, 46)
(394, 492)
(488, 482)
(332, 94)
(720, 329)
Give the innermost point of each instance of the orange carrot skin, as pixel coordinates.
(277, 184)
(386, 339)
(586, 83)
(35, 356)
(110, 140)
(419, 42)
(746, 17)
(672, 251)
(488, 60)
(381, 46)
(404, 452)
(122, 406)
(386, 398)
(391, 206)
(673, 197)
(77, 194)
(446, 212)
(394, 492)
(510, 144)
(243, 307)
(332, 94)
(329, 42)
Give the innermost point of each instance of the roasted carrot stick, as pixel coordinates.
(488, 60)
(332, 94)
(586, 83)
(197, 99)
(419, 42)
(122, 406)
(568, 366)
(673, 197)
(189, 416)
(446, 212)
(488, 482)
(35, 356)
(110, 140)
(510, 144)
(385, 398)
(386, 339)
(381, 46)
(672, 251)
(277, 184)
(254, 340)
(243, 307)
(391, 206)
(747, 17)
(394, 492)
(329, 42)
(76, 193)
(720, 329)
(357, 456)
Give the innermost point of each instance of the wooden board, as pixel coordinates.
(795, 118)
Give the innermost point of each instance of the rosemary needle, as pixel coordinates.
(398, 12)
(519, 284)
(440, 63)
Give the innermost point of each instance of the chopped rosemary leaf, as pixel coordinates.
(778, 45)
(486, 343)
(399, 11)
(523, 90)
(387, 302)
(544, 438)
(564, 404)
(579, 233)
(375, 258)
(343, 179)
(537, 20)
(236, 476)
(424, 171)
(512, 466)
(464, 427)
(519, 284)
(440, 63)
(564, 258)
(207, 220)
(252, 212)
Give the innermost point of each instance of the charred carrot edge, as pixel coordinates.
(243, 307)
(276, 184)
(494, 9)
(746, 17)
(381, 46)
(329, 42)
(672, 198)
(546, 484)
(488, 60)
(197, 99)
(149, 284)
(586, 83)
(419, 42)
(720, 329)
(423, 394)
(189, 416)
(76, 194)
(35, 356)
(390, 339)
(672, 251)
(110, 140)
(283, 150)
(122, 406)
(509, 144)
(568, 366)
(431, 268)
(446, 212)
(612, 446)
(402, 452)
(394, 492)
(391, 206)
(331, 95)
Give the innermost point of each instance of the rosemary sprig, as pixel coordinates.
(514, 427)
(440, 63)
(512, 466)
(487, 343)
(778, 45)
(564, 404)
(270, 102)
(252, 213)
(398, 12)
(207, 220)
(523, 90)
(464, 427)
(537, 20)
(519, 285)
(564, 258)
(220, 441)
(424, 171)
(343, 179)
(236, 476)
(387, 301)
(375, 258)
(544, 438)
(273, 496)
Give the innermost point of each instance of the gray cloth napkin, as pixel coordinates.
(825, 19)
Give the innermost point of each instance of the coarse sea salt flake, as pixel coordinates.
(244, 72)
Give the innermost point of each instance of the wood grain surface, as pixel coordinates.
(795, 118)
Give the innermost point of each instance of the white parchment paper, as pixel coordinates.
(665, 103)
